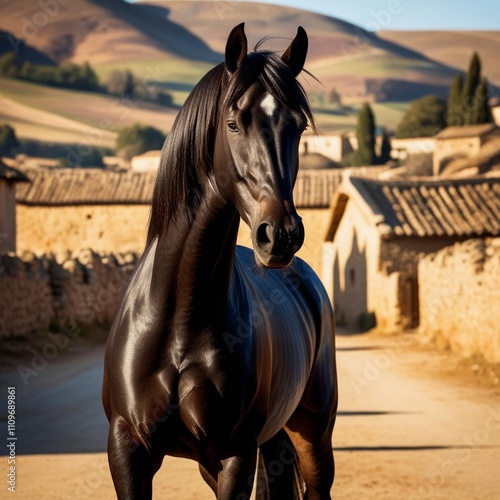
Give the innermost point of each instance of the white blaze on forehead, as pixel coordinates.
(269, 105)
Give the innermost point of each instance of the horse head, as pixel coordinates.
(259, 127)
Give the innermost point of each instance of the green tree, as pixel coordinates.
(454, 111)
(137, 139)
(334, 97)
(470, 86)
(480, 108)
(365, 133)
(425, 117)
(8, 140)
(120, 83)
(88, 77)
(385, 148)
(8, 64)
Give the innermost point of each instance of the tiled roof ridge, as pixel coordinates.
(462, 207)
(430, 181)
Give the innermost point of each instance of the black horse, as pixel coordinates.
(216, 351)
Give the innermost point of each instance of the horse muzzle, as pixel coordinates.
(275, 243)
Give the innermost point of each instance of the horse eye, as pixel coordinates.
(232, 127)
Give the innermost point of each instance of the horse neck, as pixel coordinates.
(194, 262)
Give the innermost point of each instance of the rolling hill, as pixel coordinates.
(454, 47)
(101, 31)
(111, 33)
(24, 52)
(358, 63)
(175, 42)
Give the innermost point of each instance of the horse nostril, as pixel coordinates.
(264, 234)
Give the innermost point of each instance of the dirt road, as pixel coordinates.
(408, 427)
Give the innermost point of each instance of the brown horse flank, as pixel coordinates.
(217, 353)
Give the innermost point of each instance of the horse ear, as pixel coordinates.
(295, 55)
(236, 48)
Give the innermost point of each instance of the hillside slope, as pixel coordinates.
(63, 115)
(24, 52)
(454, 47)
(100, 31)
(356, 62)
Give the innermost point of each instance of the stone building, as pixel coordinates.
(401, 149)
(460, 142)
(146, 162)
(379, 231)
(334, 147)
(70, 209)
(9, 177)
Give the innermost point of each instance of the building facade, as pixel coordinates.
(379, 231)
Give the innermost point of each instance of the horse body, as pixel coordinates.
(210, 356)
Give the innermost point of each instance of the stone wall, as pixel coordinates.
(459, 298)
(104, 228)
(55, 290)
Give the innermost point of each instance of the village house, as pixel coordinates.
(9, 177)
(454, 143)
(494, 104)
(401, 149)
(379, 231)
(146, 162)
(334, 147)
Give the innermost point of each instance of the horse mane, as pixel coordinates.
(187, 154)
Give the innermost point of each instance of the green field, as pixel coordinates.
(59, 115)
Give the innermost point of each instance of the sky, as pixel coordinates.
(376, 15)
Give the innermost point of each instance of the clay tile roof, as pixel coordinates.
(458, 207)
(315, 188)
(317, 161)
(84, 186)
(11, 174)
(465, 131)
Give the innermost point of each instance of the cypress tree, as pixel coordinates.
(470, 86)
(8, 140)
(365, 133)
(385, 149)
(454, 112)
(481, 111)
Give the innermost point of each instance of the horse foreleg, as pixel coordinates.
(235, 480)
(311, 435)
(208, 478)
(132, 465)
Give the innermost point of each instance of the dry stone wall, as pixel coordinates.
(39, 293)
(459, 298)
